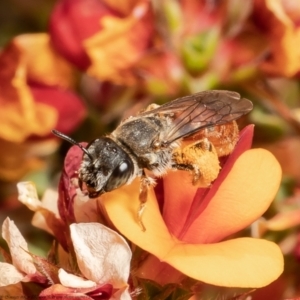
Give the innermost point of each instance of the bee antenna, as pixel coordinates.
(70, 140)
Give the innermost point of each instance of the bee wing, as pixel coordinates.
(195, 112)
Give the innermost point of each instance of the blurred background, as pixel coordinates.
(80, 66)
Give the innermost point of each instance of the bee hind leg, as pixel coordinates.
(200, 159)
(192, 168)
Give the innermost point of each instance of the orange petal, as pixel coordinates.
(243, 197)
(244, 262)
(183, 202)
(131, 34)
(43, 63)
(18, 106)
(240, 262)
(17, 160)
(282, 34)
(122, 206)
(179, 195)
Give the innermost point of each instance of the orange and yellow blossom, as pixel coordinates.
(186, 227)
(35, 97)
(21, 267)
(102, 256)
(189, 233)
(104, 37)
(279, 22)
(29, 64)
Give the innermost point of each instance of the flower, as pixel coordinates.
(103, 37)
(46, 215)
(21, 267)
(187, 237)
(34, 79)
(279, 21)
(102, 256)
(189, 233)
(35, 97)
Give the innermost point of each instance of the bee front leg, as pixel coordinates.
(200, 159)
(146, 183)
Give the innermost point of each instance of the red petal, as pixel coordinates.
(185, 202)
(71, 22)
(102, 292)
(67, 189)
(242, 198)
(69, 107)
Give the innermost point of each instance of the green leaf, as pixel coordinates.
(198, 50)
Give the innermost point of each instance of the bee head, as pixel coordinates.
(105, 168)
(105, 165)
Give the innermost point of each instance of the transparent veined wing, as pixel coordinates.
(192, 113)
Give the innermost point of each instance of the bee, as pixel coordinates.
(188, 133)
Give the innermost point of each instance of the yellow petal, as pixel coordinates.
(242, 198)
(18, 106)
(240, 263)
(122, 206)
(243, 262)
(43, 64)
(283, 35)
(119, 44)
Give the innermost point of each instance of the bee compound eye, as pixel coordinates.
(120, 175)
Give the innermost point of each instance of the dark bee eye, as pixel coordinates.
(120, 175)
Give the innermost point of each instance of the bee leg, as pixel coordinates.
(200, 159)
(143, 199)
(196, 175)
(194, 169)
(146, 182)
